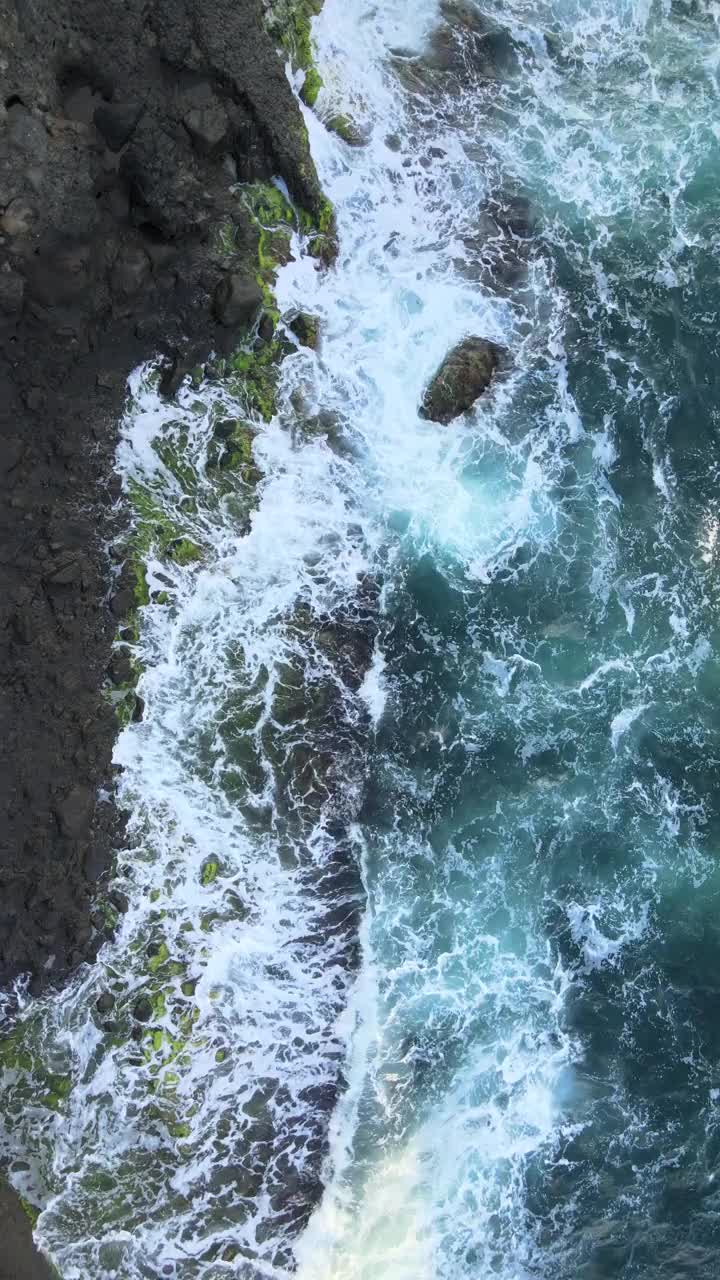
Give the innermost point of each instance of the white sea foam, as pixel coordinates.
(623, 721)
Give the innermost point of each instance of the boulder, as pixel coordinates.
(142, 1009)
(464, 374)
(237, 300)
(306, 329)
(120, 668)
(346, 129)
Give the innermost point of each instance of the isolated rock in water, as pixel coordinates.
(306, 329)
(464, 374)
(346, 129)
(142, 1009)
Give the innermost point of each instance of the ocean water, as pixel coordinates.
(425, 802)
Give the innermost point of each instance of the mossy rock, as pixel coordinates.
(141, 591)
(31, 1211)
(267, 204)
(158, 957)
(324, 248)
(232, 445)
(125, 709)
(306, 329)
(153, 529)
(210, 871)
(258, 378)
(289, 22)
(312, 85)
(274, 249)
(257, 366)
(184, 552)
(346, 129)
(325, 221)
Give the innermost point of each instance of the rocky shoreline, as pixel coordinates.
(121, 135)
(122, 129)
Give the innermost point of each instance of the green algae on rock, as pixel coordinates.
(289, 22)
(347, 129)
(209, 873)
(312, 85)
(257, 361)
(306, 329)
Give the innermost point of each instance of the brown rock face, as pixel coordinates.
(465, 373)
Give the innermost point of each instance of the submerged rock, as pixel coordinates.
(142, 1009)
(464, 374)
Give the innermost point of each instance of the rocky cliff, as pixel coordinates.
(123, 126)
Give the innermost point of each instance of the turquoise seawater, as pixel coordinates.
(540, 1095)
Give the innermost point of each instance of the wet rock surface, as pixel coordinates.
(20, 1260)
(121, 131)
(306, 329)
(465, 373)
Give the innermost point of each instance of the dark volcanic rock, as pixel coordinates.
(75, 812)
(116, 122)
(464, 374)
(237, 300)
(142, 1009)
(123, 129)
(21, 1261)
(207, 120)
